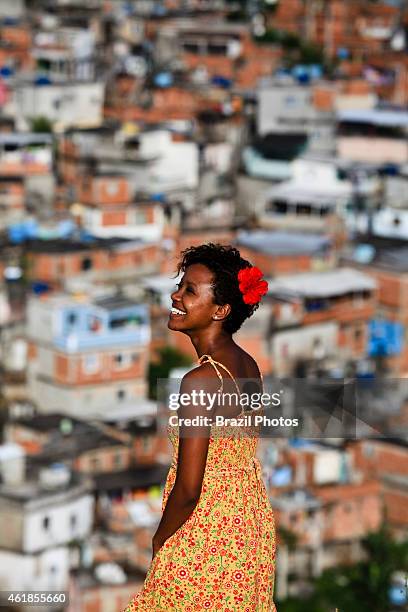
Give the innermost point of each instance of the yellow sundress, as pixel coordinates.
(223, 557)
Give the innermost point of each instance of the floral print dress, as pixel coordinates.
(223, 557)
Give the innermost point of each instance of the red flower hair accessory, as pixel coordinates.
(251, 285)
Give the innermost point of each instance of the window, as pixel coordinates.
(368, 450)
(90, 364)
(314, 305)
(123, 361)
(118, 460)
(303, 209)
(71, 318)
(191, 48)
(147, 443)
(279, 206)
(112, 188)
(291, 101)
(86, 264)
(140, 217)
(94, 323)
(95, 463)
(121, 394)
(46, 523)
(73, 521)
(116, 322)
(217, 49)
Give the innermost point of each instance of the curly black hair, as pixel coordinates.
(224, 262)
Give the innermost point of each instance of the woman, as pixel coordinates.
(214, 548)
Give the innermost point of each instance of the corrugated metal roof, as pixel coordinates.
(282, 243)
(322, 284)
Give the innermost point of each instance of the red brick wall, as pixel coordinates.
(351, 511)
(104, 190)
(72, 370)
(56, 267)
(396, 505)
(382, 458)
(106, 459)
(279, 265)
(113, 217)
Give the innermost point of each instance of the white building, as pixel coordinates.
(38, 520)
(288, 107)
(68, 103)
(12, 8)
(306, 201)
(174, 165)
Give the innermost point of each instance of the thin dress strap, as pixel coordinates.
(215, 363)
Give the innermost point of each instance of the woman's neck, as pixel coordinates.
(211, 344)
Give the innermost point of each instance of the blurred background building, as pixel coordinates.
(130, 130)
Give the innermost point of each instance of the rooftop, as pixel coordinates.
(25, 138)
(45, 422)
(68, 437)
(114, 302)
(73, 245)
(385, 118)
(322, 284)
(282, 243)
(144, 476)
(34, 494)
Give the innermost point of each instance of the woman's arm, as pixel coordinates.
(192, 458)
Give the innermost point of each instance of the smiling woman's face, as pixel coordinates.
(193, 306)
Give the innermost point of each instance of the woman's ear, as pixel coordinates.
(222, 312)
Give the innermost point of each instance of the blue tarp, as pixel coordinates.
(19, 232)
(385, 338)
(6, 71)
(220, 81)
(282, 476)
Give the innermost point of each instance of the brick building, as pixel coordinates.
(56, 262)
(386, 263)
(320, 315)
(280, 252)
(87, 357)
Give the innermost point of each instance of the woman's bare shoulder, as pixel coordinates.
(204, 375)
